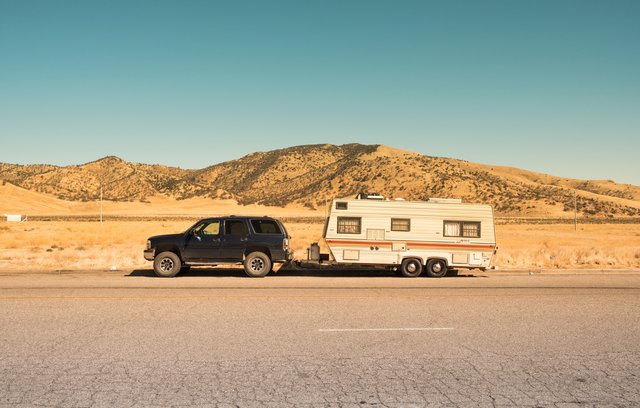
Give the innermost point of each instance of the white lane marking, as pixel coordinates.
(388, 329)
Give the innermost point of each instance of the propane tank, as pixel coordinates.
(313, 253)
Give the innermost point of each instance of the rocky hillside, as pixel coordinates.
(120, 180)
(311, 174)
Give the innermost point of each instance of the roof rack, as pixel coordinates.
(444, 200)
(369, 196)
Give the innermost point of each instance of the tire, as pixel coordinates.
(257, 264)
(167, 264)
(411, 268)
(436, 268)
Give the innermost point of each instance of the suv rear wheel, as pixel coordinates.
(257, 264)
(167, 264)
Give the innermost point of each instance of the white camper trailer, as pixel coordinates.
(434, 235)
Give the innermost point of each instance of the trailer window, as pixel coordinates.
(466, 229)
(400, 224)
(471, 229)
(340, 205)
(349, 225)
(451, 229)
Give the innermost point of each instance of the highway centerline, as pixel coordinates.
(387, 329)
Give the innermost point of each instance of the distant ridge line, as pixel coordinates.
(312, 175)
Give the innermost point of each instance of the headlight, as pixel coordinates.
(148, 244)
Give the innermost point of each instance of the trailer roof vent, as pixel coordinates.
(445, 200)
(369, 196)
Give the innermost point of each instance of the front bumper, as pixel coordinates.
(149, 254)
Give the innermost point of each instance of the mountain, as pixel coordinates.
(312, 174)
(120, 180)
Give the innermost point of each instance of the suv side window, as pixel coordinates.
(235, 227)
(265, 227)
(208, 228)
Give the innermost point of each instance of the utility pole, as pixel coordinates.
(100, 203)
(575, 211)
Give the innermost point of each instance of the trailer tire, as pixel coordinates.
(411, 268)
(436, 268)
(167, 264)
(257, 264)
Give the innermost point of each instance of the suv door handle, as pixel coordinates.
(245, 239)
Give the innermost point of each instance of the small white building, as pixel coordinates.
(15, 217)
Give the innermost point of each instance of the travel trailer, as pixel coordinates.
(411, 236)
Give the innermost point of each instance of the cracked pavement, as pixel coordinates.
(84, 341)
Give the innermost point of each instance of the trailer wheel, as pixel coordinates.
(436, 268)
(411, 268)
(257, 264)
(167, 264)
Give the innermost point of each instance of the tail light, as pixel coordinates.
(285, 244)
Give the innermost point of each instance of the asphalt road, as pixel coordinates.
(215, 338)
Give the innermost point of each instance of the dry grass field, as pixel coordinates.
(16, 200)
(607, 246)
(119, 244)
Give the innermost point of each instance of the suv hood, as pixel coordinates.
(165, 237)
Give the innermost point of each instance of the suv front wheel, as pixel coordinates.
(167, 264)
(257, 264)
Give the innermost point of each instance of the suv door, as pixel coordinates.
(202, 243)
(234, 241)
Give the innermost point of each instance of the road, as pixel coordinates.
(215, 338)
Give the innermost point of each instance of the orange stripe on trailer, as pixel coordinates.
(410, 243)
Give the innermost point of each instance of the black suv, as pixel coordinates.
(255, 242)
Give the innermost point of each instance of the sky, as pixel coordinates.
(549, 86)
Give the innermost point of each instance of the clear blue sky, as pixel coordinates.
(551, 86)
